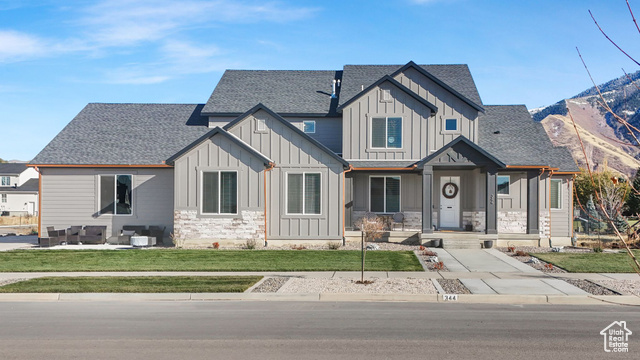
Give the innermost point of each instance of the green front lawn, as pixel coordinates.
(204, 260)
(590, 262)
(135, 284)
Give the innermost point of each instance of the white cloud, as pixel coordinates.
(17, 45)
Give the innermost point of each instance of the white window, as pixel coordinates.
(386, 132)
(451, 125)
(116, 194)
(6, 181)
(4, 198)
(503, 184)
(261, 125)
(384, 194)
(385, 95)
(219, 192)
(556, 194)
(303, 193)
(309, 126)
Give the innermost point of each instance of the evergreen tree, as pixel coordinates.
(633, 201)
(595, 221)
(621, 223)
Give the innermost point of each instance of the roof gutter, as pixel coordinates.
(99, 166)
(412, 167)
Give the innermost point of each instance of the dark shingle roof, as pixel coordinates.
(30, 185)
(283, 91)
(520, 141)
(457, 77)
(122, 134)
(12, 168)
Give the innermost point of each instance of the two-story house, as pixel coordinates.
(18, 189)
(299, 156)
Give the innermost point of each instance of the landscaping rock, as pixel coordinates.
(373, 247)
(453, 286)
(533, 260)
(590, 287)
(270, 285)
(433, 259)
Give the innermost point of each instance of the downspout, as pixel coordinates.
(271, 166)
(39, 201)
(549, 203)
(344, 203)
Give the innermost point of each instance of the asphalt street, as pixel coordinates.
(307, 330)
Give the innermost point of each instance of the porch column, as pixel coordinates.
(533, 199)
(491, 205)
(348, 201)
(427, 200)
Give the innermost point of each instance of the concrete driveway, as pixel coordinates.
(490, 271)
(17, 242)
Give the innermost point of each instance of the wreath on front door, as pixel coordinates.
(450, 190)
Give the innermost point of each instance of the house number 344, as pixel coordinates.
(491, 199)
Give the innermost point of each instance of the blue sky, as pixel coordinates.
(55, 57)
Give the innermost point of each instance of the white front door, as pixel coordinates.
(449, 202)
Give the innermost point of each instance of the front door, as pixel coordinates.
(450, 202)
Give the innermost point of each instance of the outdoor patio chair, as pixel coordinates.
(73, 234)
(94, 235)
(398, 218)
(128, 231)
(156, 232)
(54, 237)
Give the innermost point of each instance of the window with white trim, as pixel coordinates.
(385, 95)
(6, 181)
(4, 198)
(556, 194)
(303, 193)
(384, 192)
(503, 184)
(309, 126)
(116, 194)
(219, 192)
(451, 125)
(386, 132)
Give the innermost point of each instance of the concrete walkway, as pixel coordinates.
(490, 271)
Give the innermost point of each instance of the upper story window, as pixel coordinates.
(503, 184)
(261, 125)
(4, 198)
(451, 125)
(556, 194)
(116, 194)
(309, 126)
(386, 132)
(6, 181)
(219, 192)
(303, 193)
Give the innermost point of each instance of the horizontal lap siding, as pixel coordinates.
(70, 197)
(561, 219)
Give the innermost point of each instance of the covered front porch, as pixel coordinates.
(460, 195)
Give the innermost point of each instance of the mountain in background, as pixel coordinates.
(606, 141)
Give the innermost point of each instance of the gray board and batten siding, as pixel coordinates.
(71, 197)
(422, 133)
(293, 153)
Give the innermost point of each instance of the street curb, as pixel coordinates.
(630, 300)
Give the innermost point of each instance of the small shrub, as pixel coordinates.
(439, 265)
(298, 247)
(511, 249)
(429, 253)
(334, 245)
(597, 249)
(33, 232)
(216, 245)
(548, 266)
(422, 247)
(521, 253)
(250, 244)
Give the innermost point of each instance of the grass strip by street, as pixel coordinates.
(134, 284)
(590, 262)
(204, 260)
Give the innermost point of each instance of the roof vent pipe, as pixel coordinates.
(333, 89)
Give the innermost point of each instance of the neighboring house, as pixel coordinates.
(299, 156)
(18, 189)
